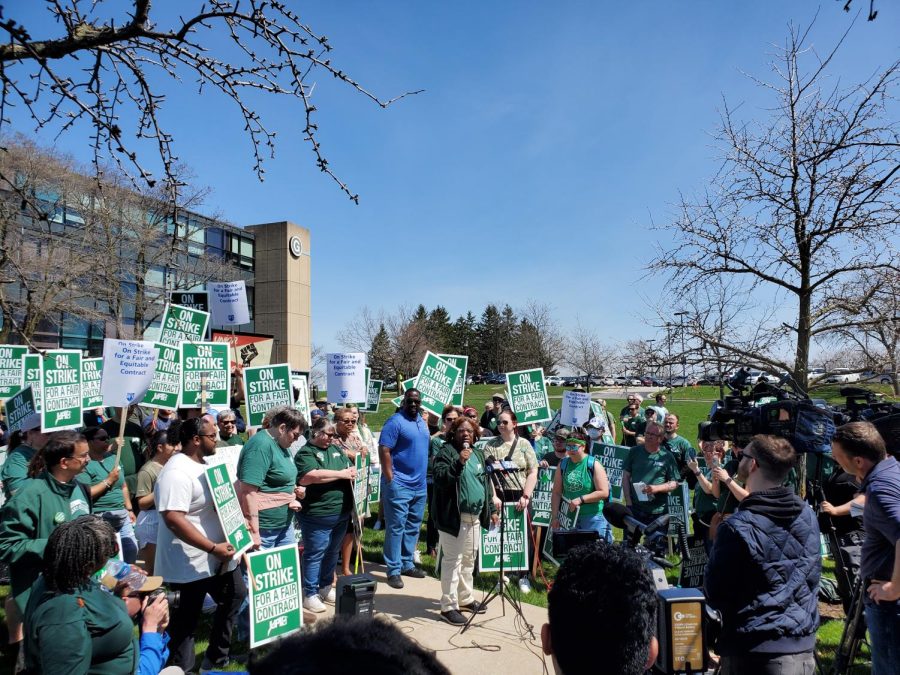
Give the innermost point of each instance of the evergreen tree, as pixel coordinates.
(379, 357)
(440, 330)
(488, 340)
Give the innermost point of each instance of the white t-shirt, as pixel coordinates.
(182, 486)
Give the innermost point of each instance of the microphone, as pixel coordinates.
(509, 467)
(489, 463)
(620, 516)
(661, 524)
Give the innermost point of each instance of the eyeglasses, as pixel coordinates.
(207, 435)
(653, 435)
(502, 422)
(747, 455)
(80, 458)
(329, 434)
(227, 422)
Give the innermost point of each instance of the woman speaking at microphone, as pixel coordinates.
(582, 480)
(462, 503)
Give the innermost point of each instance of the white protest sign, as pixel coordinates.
(228, 303)
(346, 377)
(128, 367)
(576, 408)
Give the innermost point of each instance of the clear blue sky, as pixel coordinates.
(548, 137)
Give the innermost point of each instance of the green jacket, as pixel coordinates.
(445, 499)
(14, 473)
(26, 523)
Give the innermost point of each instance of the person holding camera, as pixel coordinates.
(192, 554)
(75, 625)
(763, 571)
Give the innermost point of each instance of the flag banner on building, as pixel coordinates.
(182, 324)
(276, 608)
(91, 375)
(165, 388)
(373, 400)
(228, 303)
(19, 409)
(612, 457)
(528, 396)
(11, 370)
(576, 408)
(461, 362)
(436, 381)
(514, 544)
(205, 362)
(128, 367)
(266, 387)
(251, 349)
(567, 519)
(190, 299)
(31, 377)
(228, 509)
(540, 504)
(61, 380)
(677, 502)
(346, 377)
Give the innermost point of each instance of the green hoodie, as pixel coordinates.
(445, 499)
(27, 521)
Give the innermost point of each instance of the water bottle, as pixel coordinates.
(122, 571)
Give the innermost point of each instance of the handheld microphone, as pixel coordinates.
(661, 524)
(620, 516)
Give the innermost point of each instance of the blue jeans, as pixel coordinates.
(268, 538)
(403, 511)
(121, 523)
(883, 620)
(322, 537)
(597, 523)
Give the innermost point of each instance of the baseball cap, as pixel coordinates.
(498, 395)
(31, 421)
(150, 583)
(562, 432)
(315, 412)
(595, 422)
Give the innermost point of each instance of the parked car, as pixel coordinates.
(842, 376)
(650, 381)
(554, 381)
(682, 381)
(872, 376)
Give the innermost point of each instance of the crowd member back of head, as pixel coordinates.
(350, 645)
(602, 613)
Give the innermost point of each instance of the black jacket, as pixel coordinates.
(445, 498)
(763, 575)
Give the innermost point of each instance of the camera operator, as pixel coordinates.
(763, 572)
(655, 469)
(75, 625)
(860, 449)
(601, 613)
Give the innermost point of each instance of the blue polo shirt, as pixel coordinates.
(408, 442)
(881, 520)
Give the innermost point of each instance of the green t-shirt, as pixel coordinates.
(266, 465)
(704, 503)
(577, 481)
(471, 486)
(542, 446)
(636, 424)
(681, 449)
(727, 501)
(226, 443)
(654, 469)
(324, 499)
(146, 479)
(96, 472)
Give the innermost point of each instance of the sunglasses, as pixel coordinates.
(327, 433)
(504, 422)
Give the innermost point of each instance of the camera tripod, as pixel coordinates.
(854, 633)
(502, 590)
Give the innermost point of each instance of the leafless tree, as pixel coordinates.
(805, 199)
(110, 68)
(407, 335)
(541, 344)
(587, 352)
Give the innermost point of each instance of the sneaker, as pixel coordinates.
(453, 617)
(474, 607)
(328, 595)
(313, 603)
(377, 525)
(524, 585)
(414, 572)
(394, 581)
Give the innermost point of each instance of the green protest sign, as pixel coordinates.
(540, 505)
(373, 400)
(436, 382)
(266, 387)
(209, 361)
(166, 385)
(361, 484)
(368, 375)
(182, 324)
(692, 570)
(31, 377)
(612, 457)
(91, 374)
(397, 401)
(515, 543)
(461, 362)
(566, 519)
(276, 608)
(678, 501)
(407, 384)
(11, 370)
(61, 380)
(374, 483)
(528, 396)
(221, 487)
(19, 408)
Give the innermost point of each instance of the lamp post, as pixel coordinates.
(681, 316)
(669, 350)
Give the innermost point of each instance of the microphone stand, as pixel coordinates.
(502, 589)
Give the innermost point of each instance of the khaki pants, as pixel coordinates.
(459, 563)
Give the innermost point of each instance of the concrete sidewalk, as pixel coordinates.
(493, 644)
